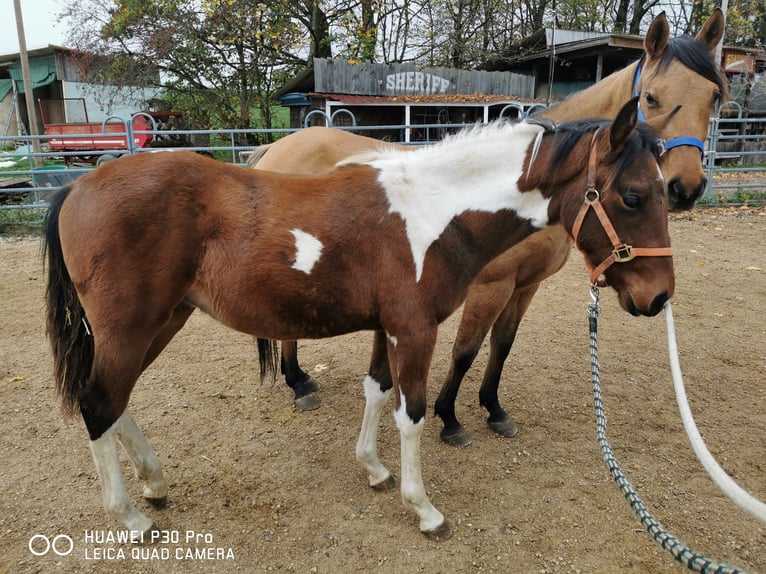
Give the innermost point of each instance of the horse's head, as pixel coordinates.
(675, 72)
(614, 205)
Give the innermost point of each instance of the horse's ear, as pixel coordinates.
(712, 30)
(623, 125)
(656, 39)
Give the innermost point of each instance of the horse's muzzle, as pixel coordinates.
(682, 199)
(656, 306)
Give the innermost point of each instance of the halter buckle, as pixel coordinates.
(623, 253)
(592, 195)
(661, 147)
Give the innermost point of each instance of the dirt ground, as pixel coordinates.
(259, 487)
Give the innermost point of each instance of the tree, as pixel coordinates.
(637, 10)
(223, 58)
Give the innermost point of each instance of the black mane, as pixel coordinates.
(566, 136)
(695, 56)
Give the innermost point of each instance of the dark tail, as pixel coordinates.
(257, 155)
(67, 326)
(268, 357)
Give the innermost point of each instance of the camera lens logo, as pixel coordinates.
(61, 545)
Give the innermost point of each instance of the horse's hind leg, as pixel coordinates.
(377, 390)
(145, 461)
(116, 500)
(303, 385)
(177, 320)
(104, 409)
(503, 335)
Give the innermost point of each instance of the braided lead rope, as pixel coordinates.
(680, 551)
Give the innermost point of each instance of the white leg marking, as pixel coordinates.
(116, 500)
(413, 491)
(367, 445)
(143, 457)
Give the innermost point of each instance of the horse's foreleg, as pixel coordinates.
(144, 459)
(483, 305)
(367, 445)
(410, 360)
(414, 496)
(503, 335)
(377, 390)
(116, 500)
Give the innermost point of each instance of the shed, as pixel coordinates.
(55, 75)
(336, 92)
(570, 60)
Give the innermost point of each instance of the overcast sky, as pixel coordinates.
(40, 27)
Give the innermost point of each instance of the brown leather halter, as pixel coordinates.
(621, 252)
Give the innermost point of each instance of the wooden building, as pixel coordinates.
(335, 92)
(56, 78)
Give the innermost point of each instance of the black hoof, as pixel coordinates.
(504, 428)
(441, 532)
(460, 439)
(308, 402)
(387, 485)
(158, 503)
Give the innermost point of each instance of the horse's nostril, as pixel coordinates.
(681, 198)
(658, 304)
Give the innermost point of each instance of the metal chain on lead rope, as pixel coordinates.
(680, 551)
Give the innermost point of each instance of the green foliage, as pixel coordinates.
(217, 59)
(221, 60)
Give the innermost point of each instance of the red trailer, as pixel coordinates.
(109, 136)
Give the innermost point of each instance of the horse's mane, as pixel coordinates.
(567, 135)
(498, 127)
(385, 149)
(697, 57)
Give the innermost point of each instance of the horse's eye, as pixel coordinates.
(651, 101)
(632, 201)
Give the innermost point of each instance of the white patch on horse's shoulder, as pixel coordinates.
(308, 249)
(392, 339)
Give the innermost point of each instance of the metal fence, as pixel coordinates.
(735, 159)
(736, 162)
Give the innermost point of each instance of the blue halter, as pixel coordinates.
(671, 143)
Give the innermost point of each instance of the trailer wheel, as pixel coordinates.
(105, 158)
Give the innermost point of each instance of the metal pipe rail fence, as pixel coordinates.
(735, 160)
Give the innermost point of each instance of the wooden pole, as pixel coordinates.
(28, 90)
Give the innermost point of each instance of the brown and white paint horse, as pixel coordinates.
(672, 72)
(390, 242)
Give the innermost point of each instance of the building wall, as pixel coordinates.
(106, 101)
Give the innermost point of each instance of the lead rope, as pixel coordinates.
(680, 551)
(737, 494)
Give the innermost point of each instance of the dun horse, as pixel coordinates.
(390, 242)
(672, 72)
